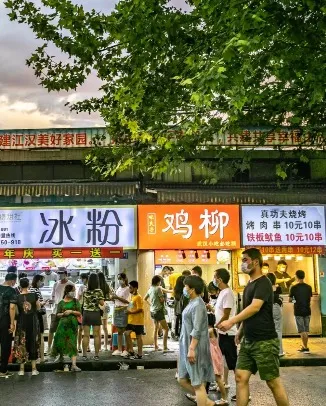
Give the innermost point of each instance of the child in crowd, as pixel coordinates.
(218, 364)
(135, 313)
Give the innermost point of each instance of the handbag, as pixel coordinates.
(42, 310)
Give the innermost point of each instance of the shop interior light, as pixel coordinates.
(299, 258)
(288, 257)
(196, 254)
(277, 257)
(265, 257)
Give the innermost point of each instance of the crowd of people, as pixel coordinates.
(205, 321)
(211, 332)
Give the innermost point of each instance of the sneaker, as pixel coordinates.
(125, 353)
(135, 356)
(59, 358)
(234, 398)
(176, 375)
(6, 375)
(117, 353)
(74, 368)
(130, 355)
(282, 354)
(302, 349)
(306, 351)
(21, 373)
(35, 372)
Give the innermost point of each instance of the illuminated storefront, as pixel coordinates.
(78, 238)
(290, 238)
(183, 236)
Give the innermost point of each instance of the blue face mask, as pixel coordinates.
(186, 293)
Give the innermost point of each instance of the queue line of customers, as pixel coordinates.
(22, 310)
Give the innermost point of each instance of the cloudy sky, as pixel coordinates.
(23, 102)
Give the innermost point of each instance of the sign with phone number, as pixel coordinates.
(283, 225)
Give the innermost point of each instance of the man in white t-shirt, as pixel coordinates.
(225, 308)
(50, 275)
(57, 296)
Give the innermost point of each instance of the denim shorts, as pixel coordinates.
(302, 323)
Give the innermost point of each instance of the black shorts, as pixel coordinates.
(92, 318)
(158, 316)
(229, 350)
(138, 330)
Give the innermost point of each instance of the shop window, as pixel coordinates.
(68, 171)
(263, 170)
(10, 172)
(241, 176)
(37, 172)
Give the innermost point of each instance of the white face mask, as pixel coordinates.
(244, 267)
(71, 295)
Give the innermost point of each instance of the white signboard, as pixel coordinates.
(69, 227)
(283, 225)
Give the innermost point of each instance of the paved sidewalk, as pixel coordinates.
(157, 359)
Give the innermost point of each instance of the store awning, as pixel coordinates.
(70, 189)
(244, 194)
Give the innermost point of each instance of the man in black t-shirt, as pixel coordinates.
(260, 345)
(8, 301)
(300, 295)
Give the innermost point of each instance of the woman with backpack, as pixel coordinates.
(93, 303)
(65, 339)
(27, 336)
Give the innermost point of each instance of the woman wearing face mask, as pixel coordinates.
(65, 340)
(195, 366)
(120, 318)
(37, 284)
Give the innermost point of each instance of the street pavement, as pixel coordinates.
(305, 385)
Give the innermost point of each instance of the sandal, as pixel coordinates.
(221, 402)
(190, 397)
(84, 358)
(96, 358)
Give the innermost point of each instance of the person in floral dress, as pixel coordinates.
(65, 340)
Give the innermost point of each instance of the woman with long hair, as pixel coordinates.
(180, 302)
(93, 301)
(27, 337)
(157, 309)
(37, 284)
(105, 288)
(65, 339)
